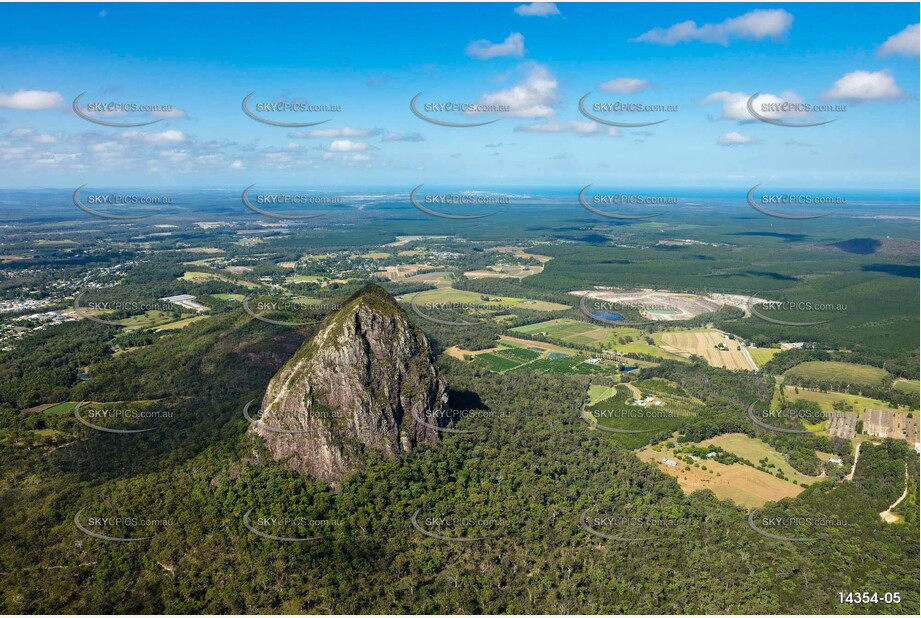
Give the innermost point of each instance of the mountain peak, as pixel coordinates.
(365, 381)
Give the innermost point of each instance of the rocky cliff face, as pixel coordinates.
(361, 383)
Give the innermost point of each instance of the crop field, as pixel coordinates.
(703, 344)
(540, 358)
(830, 371)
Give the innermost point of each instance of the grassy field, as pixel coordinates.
(617, 412)
(608, 337)
(827, 400)
(182, 323)
(762, 355)
(305, 279)
(450, 295)
(831, 371)
(755, 450)
(908, 386)
(599, 393)
(739, 483)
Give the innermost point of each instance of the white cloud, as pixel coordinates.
(734, 138)
(905, 43)
(237, 165)
(170, 136)
(31, 100)
(532, 98)
(483, 49)
(403, 137)
(754, 25)
(173, 113)
(864, 86)
(625, 85)
(346, 145)
(735, 105)
(335, 133)
(537, 9)
(579, 127)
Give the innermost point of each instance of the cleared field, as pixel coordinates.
(55, 409)
(450, 295)
(827, 400)
(305, 279)
(739, 483)
(375, 255)
(755, 450)
(832, 371)
(512, 271)
(762, 355)
(907, 386)
(703, 344)
(599, 393)
(182, 323)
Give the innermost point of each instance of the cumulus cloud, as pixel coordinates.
(237, 165)
(403, 137)
(483, 49)
(334, 133)
(579, 127)
(734, 138)
(532, 98)
(754, 25)
(537, 9)
(625, 85)
(904, 43)
(31, 100)
(347, 145)
(735, 105)
(864, 86)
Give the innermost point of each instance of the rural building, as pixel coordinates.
(888, 424)
(670, 462)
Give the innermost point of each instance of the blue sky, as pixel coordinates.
(371, 59)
